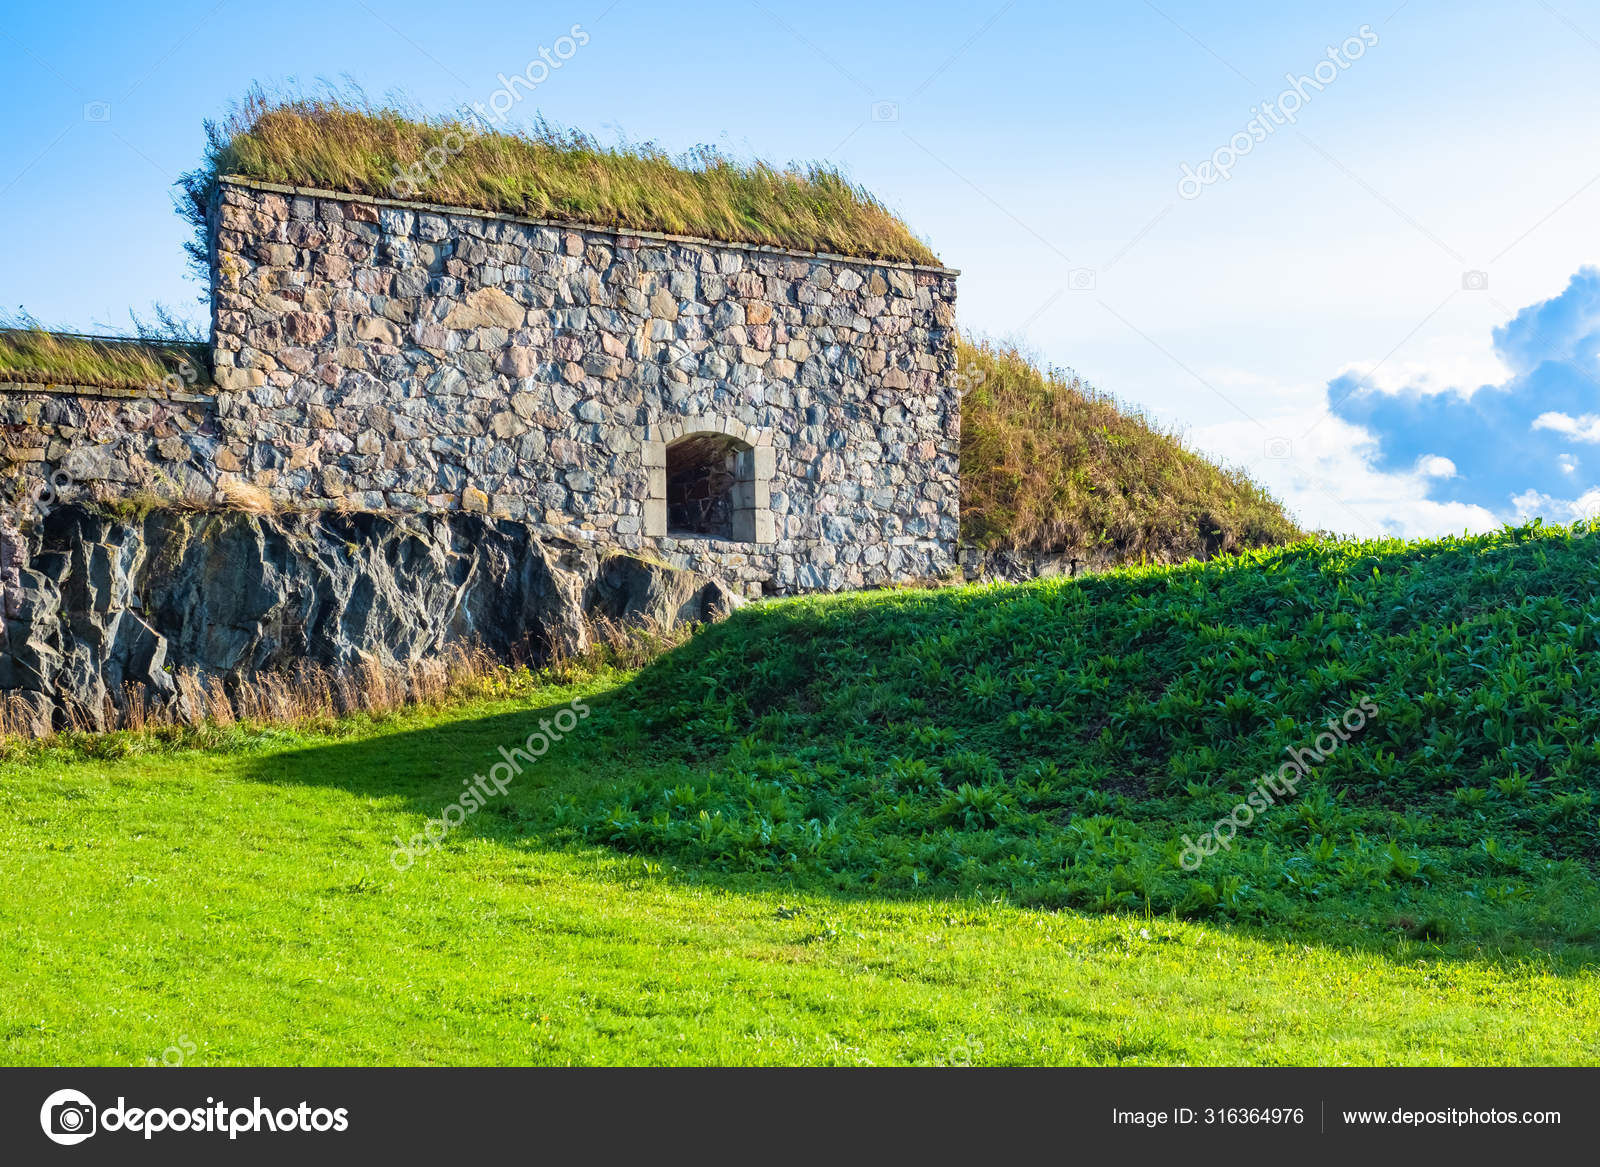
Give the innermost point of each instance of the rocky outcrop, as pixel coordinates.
(100, 602)
(11, 561)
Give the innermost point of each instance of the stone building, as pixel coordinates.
(784, 421)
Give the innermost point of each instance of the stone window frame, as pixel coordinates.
(752, 493)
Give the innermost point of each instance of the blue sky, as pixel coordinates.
(1537, 432)
(1374, 312)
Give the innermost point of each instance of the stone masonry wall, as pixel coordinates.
(384, 356)
(59, 442)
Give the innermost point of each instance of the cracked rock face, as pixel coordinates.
(94, 603)
(11, 562)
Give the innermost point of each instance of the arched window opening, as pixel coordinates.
(703, 473)
(708, 478)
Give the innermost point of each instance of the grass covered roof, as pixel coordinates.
(353, 146)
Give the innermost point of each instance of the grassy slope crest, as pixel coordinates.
(1053, 743)
(1049, 464)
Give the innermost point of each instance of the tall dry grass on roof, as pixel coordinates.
(345, 143)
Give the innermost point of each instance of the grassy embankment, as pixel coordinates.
(1050, 464)
(906, 827)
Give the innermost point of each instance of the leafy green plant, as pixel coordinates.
(1054, 740)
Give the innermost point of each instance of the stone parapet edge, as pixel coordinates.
(570, 225)
(64, 388)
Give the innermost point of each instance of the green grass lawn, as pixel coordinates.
(238, 906)
(922, 827)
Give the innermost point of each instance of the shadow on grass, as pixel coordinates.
(1101, 718)
(426, 769)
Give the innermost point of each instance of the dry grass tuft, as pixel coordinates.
(348, 144)
(239, 495)
(1049, 464)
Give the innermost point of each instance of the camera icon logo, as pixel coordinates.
(97, 111)
(1081, 279)
(1279, 449)
(1475, 281)
(68, 1117)
(885, 111)
(969, 379)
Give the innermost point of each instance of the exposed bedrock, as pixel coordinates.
(92, 603)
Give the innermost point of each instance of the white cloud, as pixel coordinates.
(1435, 466)
(1329, 451)
(1459, 362)
(1531, 502)
(1586, 505)
(1535, 504)
(1584, 429)
(1327, 479)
